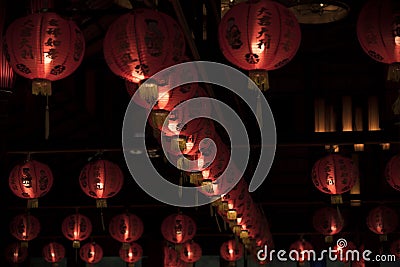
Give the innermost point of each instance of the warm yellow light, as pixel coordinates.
(397, 40)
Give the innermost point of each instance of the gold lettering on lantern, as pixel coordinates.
(264, 19)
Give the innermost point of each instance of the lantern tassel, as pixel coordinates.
(102, 219)
(47, 120)
(41, 87)
(33, 203)
(394, 72)
(383, 238)
(336, 199)
(260, 78)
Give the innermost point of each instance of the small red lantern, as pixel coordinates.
(132, 254)
(392, 172)
(328, 221)
(231, 251)
(298, 249)
(344, 251)
(382, 220)
(171, 258)
(76, 227)
(334, 174)
(15, 253)
(25, 227)
(178, 228)
(126, 228)
(91, 253)
(30, 180)
(53, 252)
(44, 47)
(141, 43)
(395, 248)
(259, 36)
(101, 179)
(190, 252)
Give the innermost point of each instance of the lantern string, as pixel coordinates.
(47, 119)
(217, 221)
(396, 105)
(102, 219)
(259, 110)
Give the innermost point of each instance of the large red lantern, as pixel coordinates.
(7, 75)
(328, 221)
(44, 47)
(298, 250)
(133, 253)
(76, 227)
(392, 172)
(382, 220)
(334, 174)
(53, 252)
(91, 253)
(231, 251)
(30, 180)
(378, 31)
(141, 43)
(190, 252)
(259, 36)
(126, 228)
(25, 227)
(101, 179)
(15, 253)
(178, 228)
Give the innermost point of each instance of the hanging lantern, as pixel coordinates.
(7, 75)
(190, 252)
(15, 253)
(101, 179)
(382, 220)
(76, 227)
(259, 36)
(395, 248)
(25, 227)
(298, 249)
(53, 252)
(141, 43)
(178, 228)
(30, 180)
(231, 251)
(91, 253)
(334, 174)
(392, 172)
(378, 31)
(328, 221)
(126, 228)
(344, 252)
(133, 253)
(171, 258)
(44, 47)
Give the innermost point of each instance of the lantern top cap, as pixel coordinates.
(319, 12)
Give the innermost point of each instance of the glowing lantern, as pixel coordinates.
(91, 253)
(382, 220)
(395, 248)
(76, 227)
(25, 227)
(344, 251)
(259, 36)
(126, 228)
(190, 252)
(141, 43)
(30, 180)
(378, 31)
(15, 253)
(231, 251)
(133, 253)
(7, 76)
(171, 258)
(101, 179)
(178, 228)
(328, 221)
(334, 174)
(53, 252)
(392, 172)
(299, 249)
(44, 47)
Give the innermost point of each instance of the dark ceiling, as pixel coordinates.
(87, 109)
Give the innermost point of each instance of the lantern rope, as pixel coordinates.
(47, 119)
(396, 105)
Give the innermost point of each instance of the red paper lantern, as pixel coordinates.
(378, 31)
(53, 252)
(25, 227)
(382, 220)
(334, 174)
(395, 248)
(298, 249)
(259, 36)
(231, 251)
(76, 227)
(392, 172)
(44, 47)
(171, 258)
(7, 76)
(190, 252)
(141, 43)
(328, 221)
(91, 253)
(126, 228)
(133, 253)
(101, 179)
(15, 253)
(344, 251)
(30, 180)
(178, 228)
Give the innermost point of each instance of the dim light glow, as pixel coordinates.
(163, 99)
(205, 173)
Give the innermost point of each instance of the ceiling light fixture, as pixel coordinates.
(319, 12)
